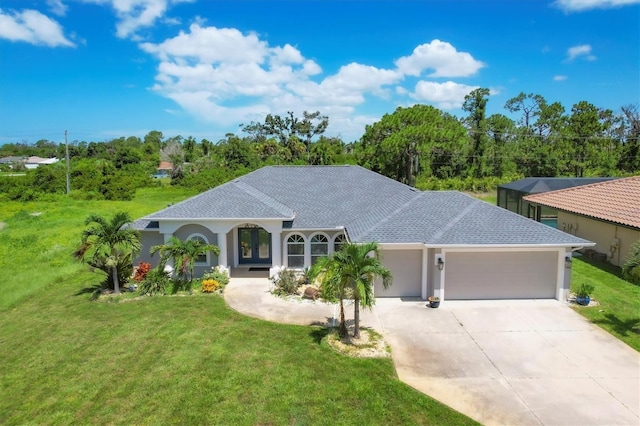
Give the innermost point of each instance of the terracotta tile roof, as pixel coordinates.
(613, 201)
(165, 165)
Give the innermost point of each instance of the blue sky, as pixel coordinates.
(108, 68)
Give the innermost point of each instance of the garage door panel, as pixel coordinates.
(501, 275)
(406, 270)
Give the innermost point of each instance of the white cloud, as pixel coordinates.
(32, 27)
(559, 77)
(580, 51)
(227, 77)
(136, 14)
(440, 56)
(57, 7)
(582, 5)
(447, 95)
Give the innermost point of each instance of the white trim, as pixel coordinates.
(400, 246)
(332, 249)
(425, 272)
(466, 247)
(328, 243)
(285, 242)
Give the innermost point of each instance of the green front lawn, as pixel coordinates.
(619, 309)
(165, 360)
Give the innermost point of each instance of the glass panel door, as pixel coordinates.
(264, 245)
(254, 245)
(246, 245)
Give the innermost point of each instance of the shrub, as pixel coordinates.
(631, 268)
(156, 281)
(584, 290)
(142, 270)
(210, 285)
(216, 274)
(286, 283)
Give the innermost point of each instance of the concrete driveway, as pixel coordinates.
(499, 362)
(514, 362)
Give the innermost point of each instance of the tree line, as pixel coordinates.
(419, 145)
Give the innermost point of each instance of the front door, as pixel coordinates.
(254, 246)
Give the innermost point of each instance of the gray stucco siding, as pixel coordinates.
(501, 275)
(149, 239)
(406, 269)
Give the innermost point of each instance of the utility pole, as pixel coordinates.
(66, 144)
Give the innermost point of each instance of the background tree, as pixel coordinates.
(403, 144)
(109, 245)
(630, 151)
(475, 103)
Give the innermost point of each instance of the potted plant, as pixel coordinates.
(434, 301)
(583, 294)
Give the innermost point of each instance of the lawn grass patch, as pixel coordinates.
(38, 238)
(619, 300)
(166, 359)
(187, 360)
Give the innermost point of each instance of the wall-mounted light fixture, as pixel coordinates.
(440, 263)
(567, 261)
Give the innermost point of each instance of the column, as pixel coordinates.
(222, 244)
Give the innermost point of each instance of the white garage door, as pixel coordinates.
(406, 269)
(500, 275)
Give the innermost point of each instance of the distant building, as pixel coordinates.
(34, 162)
(510, 195)
(164, 170)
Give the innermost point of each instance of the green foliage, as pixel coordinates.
(109, 245)
(286, 283)
(631, 268)
(222, 277)
(156, 281)
(584, 290)
(352, 272)
(184, 255)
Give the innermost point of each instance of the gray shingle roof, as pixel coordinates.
(536, 185)
(370, 206)
(452, 218)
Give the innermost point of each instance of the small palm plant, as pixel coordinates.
(109, 245)
(183, 254)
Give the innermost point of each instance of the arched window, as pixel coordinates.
(295, 251)
(203, 258)
(338, 242)
(319, 247)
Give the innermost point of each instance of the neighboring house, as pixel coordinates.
(35, 162)
(164, 169)
(607, 213)
(510, 195)
(10, 161)
(442, 243)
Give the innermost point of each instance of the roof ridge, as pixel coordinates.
(261, 196)
(394, 213)
(453, 222)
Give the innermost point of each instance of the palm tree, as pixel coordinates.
(183, 253)
(109, 245)
(327, 271)
(353, 270)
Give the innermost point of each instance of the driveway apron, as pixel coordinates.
(514, 362)
(525, 362)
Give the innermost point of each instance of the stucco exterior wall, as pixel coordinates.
(602, 233)
(406, 269)
(149, 239)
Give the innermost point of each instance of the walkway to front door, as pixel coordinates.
(254, 246)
